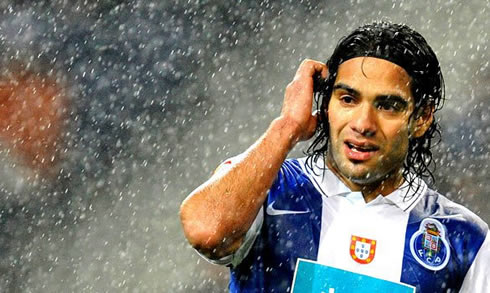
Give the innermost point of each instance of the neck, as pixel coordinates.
(383, 187)
(371, 190)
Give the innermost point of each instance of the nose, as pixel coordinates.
(364, 121)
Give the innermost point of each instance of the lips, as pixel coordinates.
(359, 150)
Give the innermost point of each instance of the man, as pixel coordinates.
(355, 213)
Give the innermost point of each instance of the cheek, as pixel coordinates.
(400, 141)
(336, 120)
(333, 127)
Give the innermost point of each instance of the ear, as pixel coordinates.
(423, 121)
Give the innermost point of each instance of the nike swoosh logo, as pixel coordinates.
(271, 211)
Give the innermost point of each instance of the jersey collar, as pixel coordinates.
(327, 183)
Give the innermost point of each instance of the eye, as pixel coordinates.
(389, 106)
(346, 99)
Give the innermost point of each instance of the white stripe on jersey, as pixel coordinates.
(344, 217)
(345, 214)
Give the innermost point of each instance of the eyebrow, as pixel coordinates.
(343, 86)
(387, 97)
(393, 99)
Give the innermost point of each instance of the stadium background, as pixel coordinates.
(156, 94)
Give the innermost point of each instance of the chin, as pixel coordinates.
(363, 177)
(359, 173)
(366, 179)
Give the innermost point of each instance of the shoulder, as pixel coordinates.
(292, 172)
(436, 205)
(461, 234)
(301, 172)
(465, 230)
(293, 183)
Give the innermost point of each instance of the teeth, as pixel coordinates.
(358, 148)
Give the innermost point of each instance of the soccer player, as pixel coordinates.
(355, 214)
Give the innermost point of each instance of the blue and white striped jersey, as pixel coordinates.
(414, 236)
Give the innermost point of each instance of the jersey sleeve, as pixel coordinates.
(477, 278)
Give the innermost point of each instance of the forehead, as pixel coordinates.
(370, 73)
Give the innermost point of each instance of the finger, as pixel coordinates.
(324, 72)
(310, 67)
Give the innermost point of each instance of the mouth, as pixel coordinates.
(360, 151)
(361, 147)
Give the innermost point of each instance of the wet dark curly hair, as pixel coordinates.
(405, 47)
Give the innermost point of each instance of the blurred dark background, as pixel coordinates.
(137, 102)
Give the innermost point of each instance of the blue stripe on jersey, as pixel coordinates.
(465, 234)
(291, 230)
(289, 234)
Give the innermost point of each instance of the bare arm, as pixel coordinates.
(216, 215)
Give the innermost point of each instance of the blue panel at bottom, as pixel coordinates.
(314, 277)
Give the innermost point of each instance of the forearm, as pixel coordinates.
(216, 216)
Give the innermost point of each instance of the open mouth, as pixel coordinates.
(361, 147)
(360, 152)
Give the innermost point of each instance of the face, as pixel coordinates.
(369, 116)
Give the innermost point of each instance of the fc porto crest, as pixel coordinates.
(362, 250)
(429, 245)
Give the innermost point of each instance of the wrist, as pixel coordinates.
(288, 130)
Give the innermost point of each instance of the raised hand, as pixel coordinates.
(298, 99)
